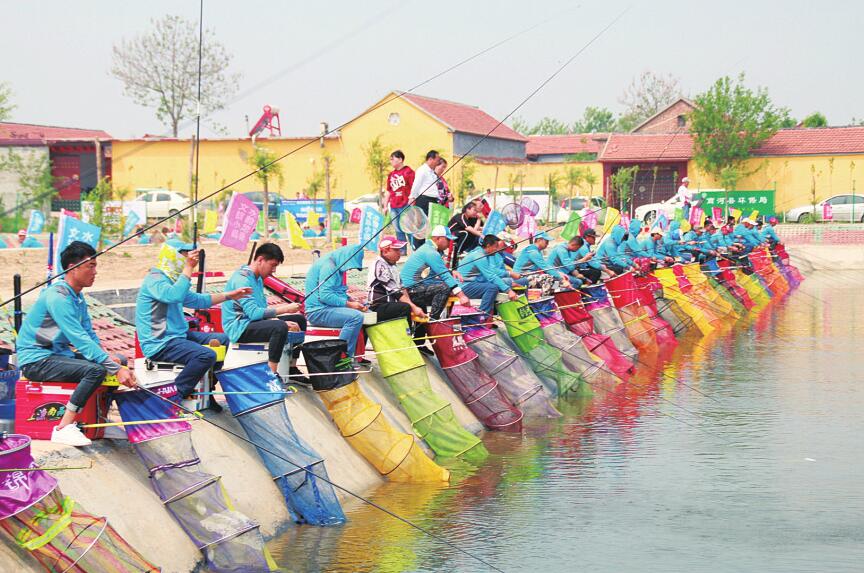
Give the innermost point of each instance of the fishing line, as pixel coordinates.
(198, 126)
(398, 95)
(326, 480)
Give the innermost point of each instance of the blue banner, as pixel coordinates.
(37, 221)
(495, 223)
(72, 229)
(300, 208)
(132, 219)
(370, 223)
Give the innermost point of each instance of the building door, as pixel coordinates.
(654, 184)
(66, 170)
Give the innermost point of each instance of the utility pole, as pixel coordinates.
(329, 220)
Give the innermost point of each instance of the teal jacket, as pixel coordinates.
(57, 321)
(476, 266)
(159, 310)
(769, 234)
(237, 314)
(609, 250)
(562, 258)
(530, 259)
(633, 248)
(426, 257)
(328, 272)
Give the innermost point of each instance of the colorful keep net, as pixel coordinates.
(431, 416)
(708, 296)
(515, 378)
(677, 288)
(296, 468)
(595, 299)
(581, 323)
(792, 274)
(546, 360)
(646, 286)
(720, 270)
(762, 264)
(36, 517)
(637, 324)
(475, 386)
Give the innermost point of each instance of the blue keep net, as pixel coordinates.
(297, 469)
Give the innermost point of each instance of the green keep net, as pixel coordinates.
(431, 415)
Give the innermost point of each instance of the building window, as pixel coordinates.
(682, 121)
(393, 119)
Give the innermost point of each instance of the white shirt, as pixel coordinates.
(424, 183)
(684, 195)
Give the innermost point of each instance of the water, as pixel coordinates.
(744, 454)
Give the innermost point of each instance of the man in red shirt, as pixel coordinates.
(399, 184)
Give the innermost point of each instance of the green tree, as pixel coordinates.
(621, 183)
(377, 164)
(815, 119)
(160, 69)
(33, 171)
(595, 120)
(264, 161)
(520, 125)
(573, 178)
(6, 105)
(465, 183)
(552, 181)
(729, 122)
(590, 180)
(646, 95)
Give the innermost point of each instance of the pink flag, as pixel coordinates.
(589, 218)
(695, 216)
(528, 226)
(625, 220)
(717, 213)
(827, 212)
(241, 217)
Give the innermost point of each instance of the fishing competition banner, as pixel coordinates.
(72, 229)
(762, 200)
(37, 221)
(241, 217)
(495, 224)
(371, 221)
(301, 208)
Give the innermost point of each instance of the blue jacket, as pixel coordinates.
(530, 259)
(237, 314)
(562, 258)
(476, 266)
(328, 271)
(159, 310)
(769, 234)
(583, 251)
(608, 251)
(750, 237)
(58, 320)
(426, 257)
(633, 247)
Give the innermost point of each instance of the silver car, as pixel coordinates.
(844, 209)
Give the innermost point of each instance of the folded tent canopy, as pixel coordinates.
(431, 416)
(296, 468)
(361, 421)
(37, 518)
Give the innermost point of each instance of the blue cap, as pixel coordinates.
(543, 235)
(179, 245)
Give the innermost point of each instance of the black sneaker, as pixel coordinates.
(426, 350)
(295, 375)
(214, 406)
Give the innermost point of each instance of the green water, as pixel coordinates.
(744, 452)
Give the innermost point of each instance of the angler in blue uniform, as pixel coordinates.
(250, 319)
(57, 322)
(657, 250)
(327, 300)
(565, 257)
(769, 234)
(590, 264)
(747, 235)
(531, 265)
(163, 331)
(481, 266)
(632, 248)
(608, 252)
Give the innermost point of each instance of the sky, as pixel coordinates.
(328, 61)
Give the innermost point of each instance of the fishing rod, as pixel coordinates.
(198, 126)
(396, 96)
(324, 479)
(533, 93)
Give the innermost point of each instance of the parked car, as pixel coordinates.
(649, 212)
(844, 208)
(274, 202)
(162, 202)
(569, 205)
(368, 200)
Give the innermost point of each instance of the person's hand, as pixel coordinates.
(292, 326)
(417, 311)
(463, 299)
(589, 256)
(241, 292)
(565, 282)
(511, 294)
(355, 305)
(515, 275)
(287, 308)
(192, 259)
(125, 377)
(458, 276)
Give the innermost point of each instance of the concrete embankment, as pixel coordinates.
(117, 484)
(810, 258)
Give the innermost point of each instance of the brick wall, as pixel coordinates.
(667, 121)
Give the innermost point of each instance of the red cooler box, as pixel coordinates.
(40, 405)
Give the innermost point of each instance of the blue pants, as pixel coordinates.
(397, 223)
(190, 352)
(483, 290)
(349, 320)
(58, 368)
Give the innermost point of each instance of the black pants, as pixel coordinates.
(422, 202)
(590, 273)
(617, 269)
(432, 295)
(274, 332)
(391, 310)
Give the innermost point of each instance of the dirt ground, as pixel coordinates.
(125, 266)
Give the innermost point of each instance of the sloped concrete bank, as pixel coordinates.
(809, 258)
(117, 484)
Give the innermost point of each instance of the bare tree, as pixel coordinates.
(646, 95)
(6, 105)
(160, 69)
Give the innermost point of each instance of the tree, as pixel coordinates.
(552, 181)
(646, 95)
(33, 170)
(465, 183)
(815, 119)
(160, 69)
(549, 126)
(595, 120)
(264, 160)
(590, 180)
(520, 125)
(621, 183)
(377, 163)
(729, 121)
(573, 178)
(6, 105)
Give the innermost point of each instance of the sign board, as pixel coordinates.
(762, 200)
(300, 208)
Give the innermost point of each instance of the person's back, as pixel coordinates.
(235, 317)
(324, 286)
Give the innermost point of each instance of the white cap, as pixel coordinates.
(747, 220)
(441, 231)
(685, 180)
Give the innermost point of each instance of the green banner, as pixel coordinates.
(438, 215)
(571, 229)
(744, 201)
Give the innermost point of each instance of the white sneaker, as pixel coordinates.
(69, 435)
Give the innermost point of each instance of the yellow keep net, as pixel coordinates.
(700, 316)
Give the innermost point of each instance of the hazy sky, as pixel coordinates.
(333, 59)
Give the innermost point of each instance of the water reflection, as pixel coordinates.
(760, 469)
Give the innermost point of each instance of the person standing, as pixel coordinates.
(684, 196)
(424, 190)
(444, 195)
(399, 184)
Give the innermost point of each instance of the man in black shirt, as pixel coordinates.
(466, 227)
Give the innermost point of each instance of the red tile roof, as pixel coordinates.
(29, 134)
(463, 118)
(565, 144)
(814, 141)
(655, 148)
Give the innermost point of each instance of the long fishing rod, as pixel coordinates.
(397, 96)
(198, 126)
(533, 93)
(309, 472)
